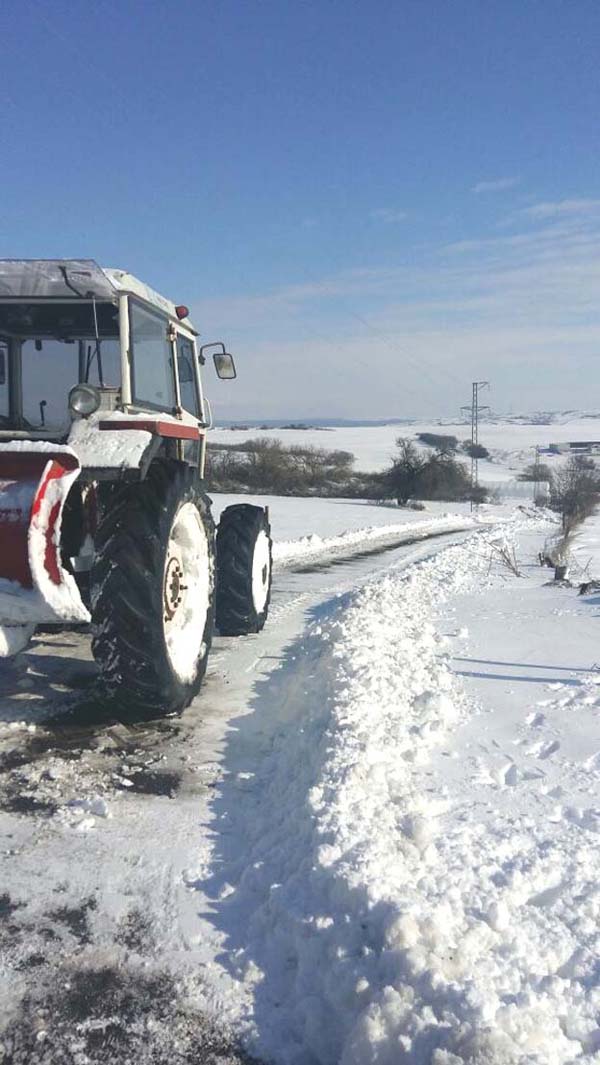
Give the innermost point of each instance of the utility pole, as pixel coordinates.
(475, 410)
(536, 474)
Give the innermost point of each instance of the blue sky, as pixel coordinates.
(373, 203)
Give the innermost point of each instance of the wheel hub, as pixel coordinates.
(174, 587)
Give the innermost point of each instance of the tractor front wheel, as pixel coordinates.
(153, 591)
(244, 565)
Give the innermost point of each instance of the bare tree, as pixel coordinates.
(403, 476)
(575, 491)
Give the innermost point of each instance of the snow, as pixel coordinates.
(37, 447)
(585, 550)
(415, 883)
(13, 638)
(382, 845)
(305, 547)
(108, 448)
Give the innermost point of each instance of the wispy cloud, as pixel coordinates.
(388, 214)
(520, 309)
(497, 185)
(562, 207)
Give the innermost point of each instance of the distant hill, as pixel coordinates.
(308, 423)
(494, 418)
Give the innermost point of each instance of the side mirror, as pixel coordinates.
(224, 365)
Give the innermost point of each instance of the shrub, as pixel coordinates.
(265, 465)
(403, 478)
(475, 451)
(442, 443)
(536, 471)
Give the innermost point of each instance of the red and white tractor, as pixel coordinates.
(103, 514)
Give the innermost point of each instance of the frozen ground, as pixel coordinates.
(111, 939)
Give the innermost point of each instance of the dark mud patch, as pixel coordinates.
(35, 748)
(32, 961)
(15, 803)
(8, 907)
(68, 735)
(10, 931)
(112, 1016)
(76, 919)
(153, 782)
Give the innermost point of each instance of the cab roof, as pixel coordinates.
(62, 279)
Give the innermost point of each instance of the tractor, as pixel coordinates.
(104, 517)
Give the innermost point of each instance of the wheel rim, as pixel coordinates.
(261, 572)
(186, 592)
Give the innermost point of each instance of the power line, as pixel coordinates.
(419, 363)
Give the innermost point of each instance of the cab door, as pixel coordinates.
(189, 393)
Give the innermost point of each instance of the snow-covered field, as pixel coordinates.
(372, 838)
(511, 443)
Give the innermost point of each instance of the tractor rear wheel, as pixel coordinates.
(244, 563)
(153, 591)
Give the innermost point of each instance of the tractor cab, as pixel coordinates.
(78, 340)
(103, 426)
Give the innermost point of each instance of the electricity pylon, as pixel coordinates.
(475, 410)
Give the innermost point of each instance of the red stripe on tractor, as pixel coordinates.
(51, 564)
(178, 430)
(51, 559)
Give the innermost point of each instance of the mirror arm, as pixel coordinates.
(205, 347)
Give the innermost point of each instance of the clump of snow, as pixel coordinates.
(97, 806)
(37, 446)
(13, 638)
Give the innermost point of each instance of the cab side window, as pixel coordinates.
(153, 380)
(187, 378)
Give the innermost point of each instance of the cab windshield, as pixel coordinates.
(41, 363)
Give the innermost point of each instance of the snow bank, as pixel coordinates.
(287, 551)
(371, 928)
(513, 489)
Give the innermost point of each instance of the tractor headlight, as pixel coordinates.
(84, 400)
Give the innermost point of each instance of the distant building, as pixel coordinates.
(579, 447)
